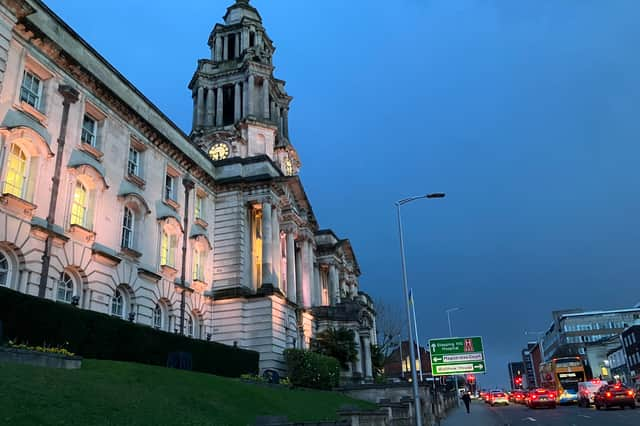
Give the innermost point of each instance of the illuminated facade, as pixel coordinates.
(93, 178)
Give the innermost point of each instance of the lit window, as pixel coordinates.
(168, 249)
(65, 288)
(169, 187)
(127, 228)
(133, 165)
(157, 317)
(198, 265)
(89, 130)
(31, 90)
(79, 206)
(16, 172)
(4, 270)
(199, 207)
(117, 305)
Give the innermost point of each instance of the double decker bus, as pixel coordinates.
(562, 375)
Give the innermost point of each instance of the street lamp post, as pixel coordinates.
(412, 353)
(188, 186)
(455, 378)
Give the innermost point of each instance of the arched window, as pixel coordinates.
(189, 329)
(4, 270)
(117, 304)
(79, 206)
(16, 178)
(157, 317)
(127, 228)
(65, 288)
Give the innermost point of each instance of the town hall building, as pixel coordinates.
(107, 205)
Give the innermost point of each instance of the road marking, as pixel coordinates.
(584, 415)
(529, 419)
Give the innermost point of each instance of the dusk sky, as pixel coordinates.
(524, 112)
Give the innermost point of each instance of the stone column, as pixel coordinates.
(368, 367)
(200, 107)
(334, 285)
(238, 45)
(306, 264)
(310, 267)
(245, 38)
(267, 243)
(250, 95)
(218, 48)
(265, 98)
(291, 267)
(276, 117)
(245, 97)
(194, 124)
(277, 252)
(285, 122)
(210, 114)
(299, 274)
(219, 106)
(317, 287)
(358, 363)
(237, 94)
(225, 50)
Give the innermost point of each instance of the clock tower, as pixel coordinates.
(240, 110)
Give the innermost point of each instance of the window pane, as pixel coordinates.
(89, 131)
(127, 228)
(169, 192)
(16, 172)
(79, 206)
(30, 90)
(133, 163)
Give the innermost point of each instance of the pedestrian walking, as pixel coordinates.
(466, 398)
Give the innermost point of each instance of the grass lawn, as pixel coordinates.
(105, 393)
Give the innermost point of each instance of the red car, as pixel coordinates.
(541, 398)
(614, 395)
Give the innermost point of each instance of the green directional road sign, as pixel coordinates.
(457, 355)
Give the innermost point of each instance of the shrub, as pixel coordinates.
(338, 343)
(312, 370)
(39, 322)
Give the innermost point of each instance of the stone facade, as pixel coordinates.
(105, 203)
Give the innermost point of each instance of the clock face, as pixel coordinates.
(219, 151)
(288, 167)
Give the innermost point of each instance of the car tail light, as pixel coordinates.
(552, 395)
(608, 394)
(534, 396)
(630, 393)
(617, 387)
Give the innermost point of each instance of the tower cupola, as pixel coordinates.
(239, 108)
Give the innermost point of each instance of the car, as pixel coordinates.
(541, 398)
(498, 397)
(517, 396)
(587, 391)
(616, 395)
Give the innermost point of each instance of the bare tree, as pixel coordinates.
(389, 326)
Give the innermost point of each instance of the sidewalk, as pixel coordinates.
(479, 416)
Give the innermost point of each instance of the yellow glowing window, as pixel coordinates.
(168, 250)
(79, 206)
(199, 210)
(16, 172)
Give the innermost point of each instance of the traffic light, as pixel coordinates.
(518, 381)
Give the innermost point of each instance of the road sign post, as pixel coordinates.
(457, 355)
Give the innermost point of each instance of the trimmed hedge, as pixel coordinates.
(312, 370)
(36, 321)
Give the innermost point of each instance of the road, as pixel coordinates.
(515, 414)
